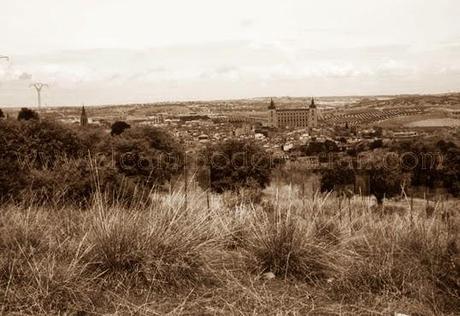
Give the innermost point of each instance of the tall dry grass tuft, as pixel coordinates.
(39, 272)
(161, 246)
(176, 253)
(396, 257)
(292, 244)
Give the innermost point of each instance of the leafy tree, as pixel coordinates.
(451, 170)
(1, 114)
(335, 178)
(148, 154)
(378, 143)
(27, 114)
(234, 165)
(425, 171)
(444, 146)
(119, 127)
(315, 148)
(385, 177)
(385, 182)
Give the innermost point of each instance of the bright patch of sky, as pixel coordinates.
(118, 51)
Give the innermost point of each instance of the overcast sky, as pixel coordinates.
(120, 51)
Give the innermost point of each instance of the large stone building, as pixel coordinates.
(306, 117)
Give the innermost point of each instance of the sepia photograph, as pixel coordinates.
(244, 157)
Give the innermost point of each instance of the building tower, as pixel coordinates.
(313, 115)
(83, 117)
(272, 120)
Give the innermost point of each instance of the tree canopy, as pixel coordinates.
(119, 127)
(26, 114)
(233, 165)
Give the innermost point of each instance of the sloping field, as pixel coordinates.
(441, 122)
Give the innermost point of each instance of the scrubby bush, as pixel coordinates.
(47, 143)
(94, 140)
(51, 162)
(75, 183)
(12, 175)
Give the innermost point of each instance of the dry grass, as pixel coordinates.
(329, 257)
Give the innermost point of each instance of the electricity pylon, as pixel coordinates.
(39, 86)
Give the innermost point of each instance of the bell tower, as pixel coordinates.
(312, 115)
(272, 119)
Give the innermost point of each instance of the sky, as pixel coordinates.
(118, 51)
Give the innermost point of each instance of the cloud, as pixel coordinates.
(247, 23)
(25, 76)
(230, 69)
(223, 72)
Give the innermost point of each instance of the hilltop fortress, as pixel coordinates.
(305, 117)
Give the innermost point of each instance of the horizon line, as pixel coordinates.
(232, 99)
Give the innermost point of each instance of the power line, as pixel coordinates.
(39, 86)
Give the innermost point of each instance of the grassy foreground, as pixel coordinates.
(287, 255)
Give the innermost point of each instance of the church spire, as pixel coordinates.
(83, 117)
(272, 105)
(312, 104)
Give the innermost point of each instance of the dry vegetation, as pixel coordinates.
(329, 257)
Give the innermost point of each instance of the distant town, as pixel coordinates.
(282, 125)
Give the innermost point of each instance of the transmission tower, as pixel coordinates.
(39, 86)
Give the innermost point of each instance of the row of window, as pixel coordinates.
(293, 122)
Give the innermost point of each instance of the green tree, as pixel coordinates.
(148, 154)
(27, 114)
(385, 183)
(234, 165)
(332, 179)
(451, 170)
(385, 176)
(378, 143)
(119, 127)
